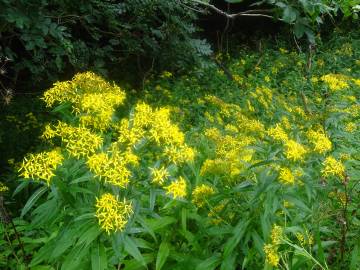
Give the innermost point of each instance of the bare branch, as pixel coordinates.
(248, 13)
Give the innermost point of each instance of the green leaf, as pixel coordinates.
(133, 250)
(75, 257)
(98, 257)
(33, 199)
(209, 264)
(289, 14)
(232, 242)
(159, 223)
(162, 255)
(21, 186)
(355, 258)
(89, 235)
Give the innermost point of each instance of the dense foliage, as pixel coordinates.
(198, 172)
(45, 39)
(49, 40)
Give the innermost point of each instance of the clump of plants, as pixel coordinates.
(201, 172)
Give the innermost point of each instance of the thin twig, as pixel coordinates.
(248, 13)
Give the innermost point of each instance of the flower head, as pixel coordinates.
(294, 150)
(177, 188)
(159, 175)
(321, 142)
(286, 176)
(41, 165)
(200, 194)
(111, 213)
(332, 167)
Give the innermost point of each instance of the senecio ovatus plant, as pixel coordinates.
(254, 183)
(100, 167)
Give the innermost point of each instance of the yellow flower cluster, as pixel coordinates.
(215, 213)
(272, 256)
(177, 189)
(264, 96)
(335, 81)
(321, 142)
(112, 168)
(79, 141)
(294, 150)
(232, 153)
(278, 133)
(41, 165)
(332, 167)
(159, 175)
(112, 214)
(305, 239)
(200, 195)
(179, 154)
(3, 187)
(286, 176)
(156, 126)
(350, 127)
(271, 249)
(93, 99)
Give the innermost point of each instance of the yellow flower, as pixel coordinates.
(294, 151)
(200, 194)
(286, 176)
(321, 142)
(278, 133)
(272, 257)
(113, 169)
(3, 187)
(238, 79)
(177, 188)
(41, 165)
(332, 167)
(350, 127)
(335, 81)
(79, 141)
(111, 213)
(159, 175)
(179, 155)
(276, 235)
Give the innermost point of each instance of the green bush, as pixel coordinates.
(48, 38)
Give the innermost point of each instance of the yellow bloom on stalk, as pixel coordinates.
(276, 235)
(3, 187)
(278, 133)
(112, 214)
(271, 253)
(294, 150)
(357, 81)
(335, 81)
(179, 155)
(177, 188)
(321, 142)
(159, 175)
(48, 133)
(41, 165)
(332, 167)
(200, 194)
(285, 122)
(79, 141)
(286, 176)
(350, 127)
(112, 168)
(143, 115)
(162, 130)
(272, 256)
(91, 97)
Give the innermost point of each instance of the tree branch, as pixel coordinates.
(248, 13)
